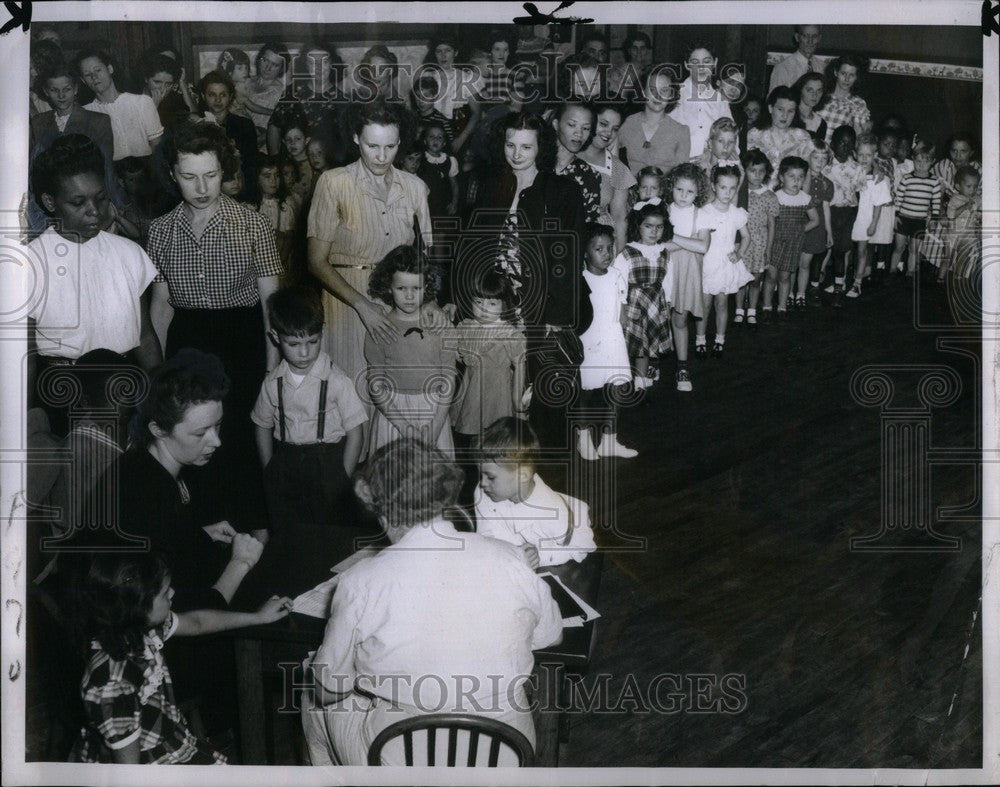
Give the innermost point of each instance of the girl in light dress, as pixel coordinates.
(723, 271)
(282, 209)
(605, 372)
(874, 222)
(688, 189)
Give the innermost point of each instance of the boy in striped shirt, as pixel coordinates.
(918, 199)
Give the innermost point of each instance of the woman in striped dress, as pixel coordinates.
(359, 213)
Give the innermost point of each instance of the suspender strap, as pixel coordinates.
(569, 530)
(281, 408)
(321, 421)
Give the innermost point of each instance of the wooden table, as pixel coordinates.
(282, 646)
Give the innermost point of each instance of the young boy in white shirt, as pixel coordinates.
(514, 504)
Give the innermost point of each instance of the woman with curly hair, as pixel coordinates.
(408, 613)
(844, 106)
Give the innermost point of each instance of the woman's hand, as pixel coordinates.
(220, 531)
(246, 549)
(434, 317)
(378, 324)
(274, 608)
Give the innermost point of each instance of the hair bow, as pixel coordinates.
(643, 203)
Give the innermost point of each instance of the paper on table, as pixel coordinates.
(316, 602)
(575, 610)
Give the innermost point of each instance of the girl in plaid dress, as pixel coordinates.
(123, 612)
(644, 261)
(796, 216)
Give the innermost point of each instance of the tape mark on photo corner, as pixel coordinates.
(991, 18)
(20, 16)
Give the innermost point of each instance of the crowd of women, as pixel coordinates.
(469, 242)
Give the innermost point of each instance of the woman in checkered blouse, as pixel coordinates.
(844, 107)
(218, 263)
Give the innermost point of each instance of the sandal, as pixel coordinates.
(701, 351)
(800, 302)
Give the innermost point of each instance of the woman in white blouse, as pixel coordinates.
(701, 102)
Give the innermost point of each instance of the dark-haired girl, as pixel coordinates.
(411, 380)
(492, 350)
(762, 211)
(700, 102)
(644, 262)
(123, 617)
(797, 215)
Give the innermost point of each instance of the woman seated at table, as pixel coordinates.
(160, 498)
(406, 637)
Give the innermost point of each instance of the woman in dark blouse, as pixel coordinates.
(528, 224)
(162, 495)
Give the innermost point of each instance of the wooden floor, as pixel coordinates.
(747, 493)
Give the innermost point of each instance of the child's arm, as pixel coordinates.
(518, 384)
(352, 450)
(770, 237)
(265, 444)
(453, 205)
(128, 229)
(619, 215)
(874, 223)
(813, 221)
(209, 621)
(744, 243)
(826, 223)
(698, 244)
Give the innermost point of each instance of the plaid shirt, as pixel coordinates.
(132, 700)
(850, 111)
(219, 270)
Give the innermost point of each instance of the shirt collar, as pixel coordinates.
(319, 370)
(366, 180)
(228, 212)
(436, 534)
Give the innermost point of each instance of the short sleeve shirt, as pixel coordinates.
(220, 269)
(343, 410)
(134, 123)
(83, 296)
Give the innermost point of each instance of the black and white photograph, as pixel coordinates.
(560, 393)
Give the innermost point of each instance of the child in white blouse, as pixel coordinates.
(281, 208)
(514, 504)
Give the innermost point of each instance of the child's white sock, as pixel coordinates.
(720, 338)
(699, 341)
(751, 311)
(740, 311)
